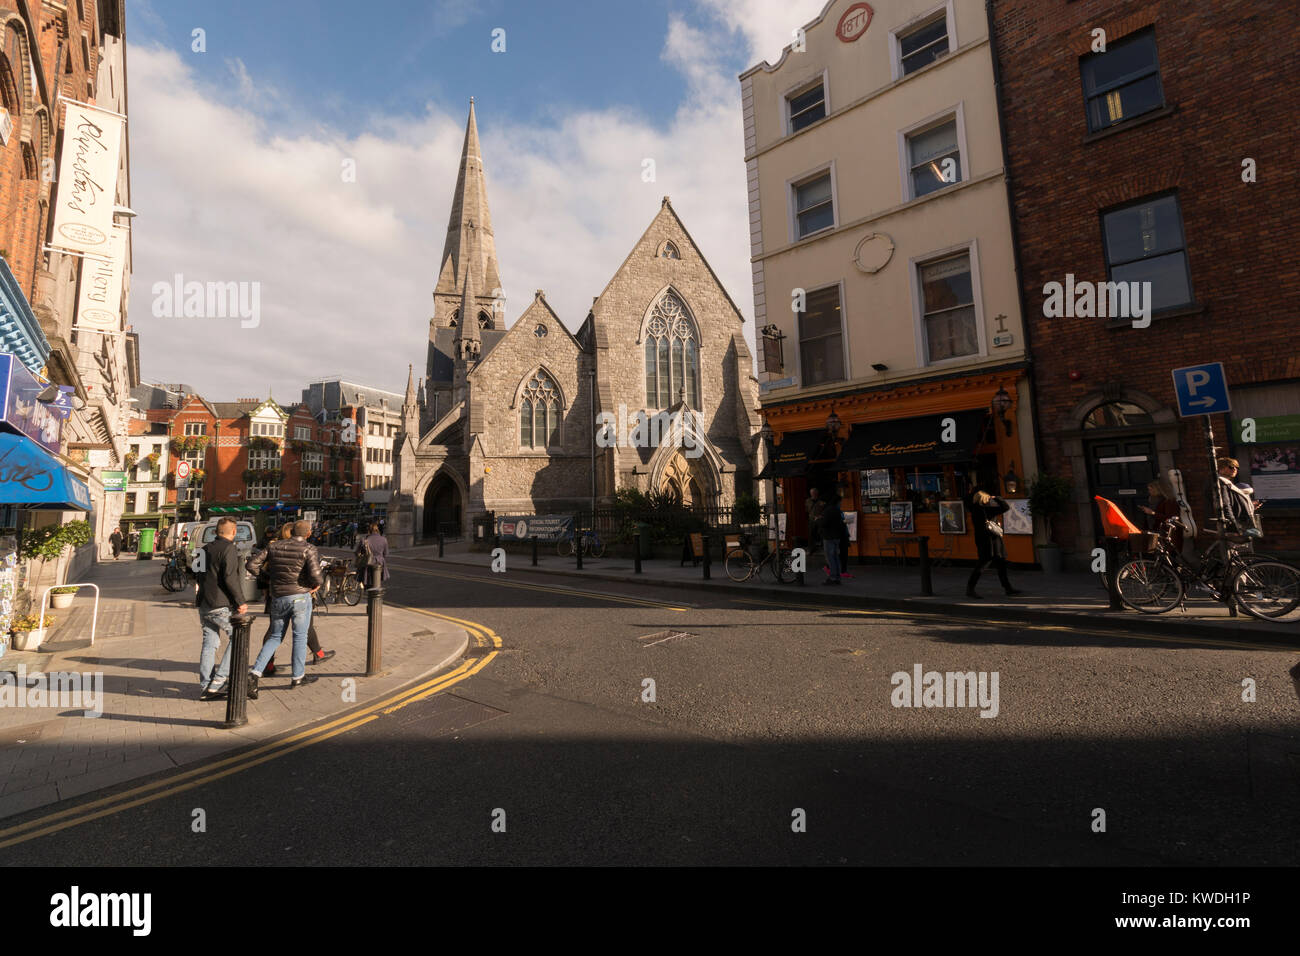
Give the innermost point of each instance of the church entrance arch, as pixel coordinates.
(442, 508)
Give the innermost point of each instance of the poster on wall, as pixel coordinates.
(876, 484)
(900, 517)
(1275, 472)
(1018, 520)
(952, 517)
(851, 520)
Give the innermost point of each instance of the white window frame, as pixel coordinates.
(313, 461)
(302, 432)
(844, 335)
(895, 35)
(956, 111)
(803, 87)
(311, 491)
(263, 491)
(196, 428)
(792, 201)
(971, 248)
(265, 458)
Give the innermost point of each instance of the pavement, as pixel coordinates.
(145, 656)
(1068, 599)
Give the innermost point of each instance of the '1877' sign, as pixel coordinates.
(854, 23)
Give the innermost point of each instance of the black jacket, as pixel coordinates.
(293, 567)
(220, 583)
(832, 523)
(987, 544)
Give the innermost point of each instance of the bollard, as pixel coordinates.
(440, 543)
(708, 560)
(927, 586)
(374, 630)
(534, 550)
(237, 698)
(636, 552)
(577, 547)
(1112, 573)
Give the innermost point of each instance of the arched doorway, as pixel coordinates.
(689, 482)
(442, 508)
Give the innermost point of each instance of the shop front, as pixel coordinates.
(900, 461)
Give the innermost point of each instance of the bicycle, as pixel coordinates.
(741, 565)
(1158, 581)
(592, 545)
(341, 583)
(175, 574)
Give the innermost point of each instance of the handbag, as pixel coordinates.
(994, 528)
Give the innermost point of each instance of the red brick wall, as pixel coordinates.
(1230, 73)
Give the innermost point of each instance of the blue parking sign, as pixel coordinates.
(1201, 390)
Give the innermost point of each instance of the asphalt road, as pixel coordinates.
(760, 710)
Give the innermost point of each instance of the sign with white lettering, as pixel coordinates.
(83, 215)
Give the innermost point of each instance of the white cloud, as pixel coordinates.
(767, 25)
(347, 268)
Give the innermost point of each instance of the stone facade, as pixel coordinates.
(473, 439)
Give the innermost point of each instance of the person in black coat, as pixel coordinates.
(832, 529)
(983, 508)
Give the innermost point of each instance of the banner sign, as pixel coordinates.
(83, 215)
(20, 411)
(114, 480)
(542, 527)
(99, 301)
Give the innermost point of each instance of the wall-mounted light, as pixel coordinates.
(880, 366)
(1011, 481)
(833, 423)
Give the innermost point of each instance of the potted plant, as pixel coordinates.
(29, 631)
(131, 459)
(1049, 497)
(62, 597)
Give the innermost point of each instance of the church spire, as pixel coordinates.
(470, 249)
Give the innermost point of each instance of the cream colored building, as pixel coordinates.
(879, 208)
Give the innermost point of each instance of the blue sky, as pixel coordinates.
(236, 155)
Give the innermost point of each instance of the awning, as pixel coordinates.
(796, 451)
(905, 442)
(30, 477)
(233, 509)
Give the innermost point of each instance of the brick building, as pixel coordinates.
(504, 419)
(1165, 157)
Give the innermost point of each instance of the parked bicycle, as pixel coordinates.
(1157, 580)
(341, 582)
(742, 565)
(593, 546)
(176, 572)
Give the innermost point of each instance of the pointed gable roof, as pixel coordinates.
(525, 325)
(470, 247)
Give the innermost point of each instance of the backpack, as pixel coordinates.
(365, 557)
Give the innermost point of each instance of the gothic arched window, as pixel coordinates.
(484, 320)
(540, 406)
(672, 355)
(455, 319)
(669, 251)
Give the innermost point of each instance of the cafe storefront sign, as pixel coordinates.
(20, 412)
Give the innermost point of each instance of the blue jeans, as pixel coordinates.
(295, 610)
(216, 623)
(832, 547)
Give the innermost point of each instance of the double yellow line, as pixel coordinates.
(484, 637)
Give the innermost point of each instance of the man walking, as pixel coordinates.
(832, 528)
(293, 570)
(220, 594)
(115, 542)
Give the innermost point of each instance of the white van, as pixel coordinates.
(180, 533)
(245, 541)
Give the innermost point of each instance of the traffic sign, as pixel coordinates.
(182, 469)
(1201, 390)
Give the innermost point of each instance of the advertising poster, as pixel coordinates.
(900, 517)
(952, 517)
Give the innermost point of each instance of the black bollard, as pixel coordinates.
(927, 586)
(534, 550)
(440, 544)
(708, 558)
(636, 552)
(374, 630)
(1112, 573)
(237, 697)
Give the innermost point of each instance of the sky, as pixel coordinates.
(307, 152)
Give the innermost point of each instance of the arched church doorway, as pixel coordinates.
(442, 508)
(689, 482)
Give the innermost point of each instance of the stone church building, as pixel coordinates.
(504, 418)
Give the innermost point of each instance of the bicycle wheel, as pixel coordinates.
(1149, 586)
(786, 574)
(1268, 590)
(595, 546)
(740, 565)
(564, 547)
(351, 590)
(169, 579)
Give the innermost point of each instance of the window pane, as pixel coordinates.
(807, 108)
(1125, 102)
(804, 100)
(1148, 229)
(946, 284)
(677, 370)
(933, 143)
(539, 428)
(692, 376)
(526, 424)
(924, 45)
(1167, 275)
(651, 380)
(951, 334)
(813, 193)
(822, 316)
(929, 178)
(553, 423)
(1124, 58)
(822, 360)
(663, 374)
(815, 219)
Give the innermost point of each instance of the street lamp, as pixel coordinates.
(1011, 481)
(833, 423)
(1001, 405)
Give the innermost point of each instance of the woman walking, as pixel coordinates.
(983, 508)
